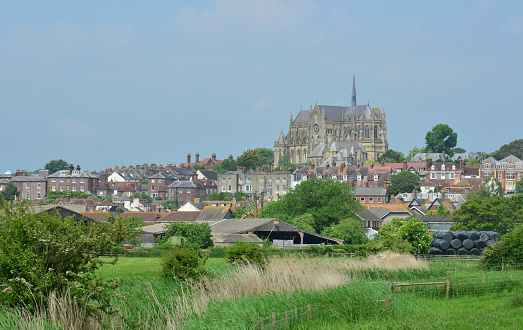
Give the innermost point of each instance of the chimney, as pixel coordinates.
(461, 166)
(405, 165)
(443, 155)
(18, 172)
(382, 163)
(371, 166)
(194, 176)
(328, 165)
(358, 165)
(342, 166)
(312, 166)
(188, 158)
(43, 173)
(67, 198)
(429, 163)
(213, 157)
(333, 163)
(197, 160)
(230, 157)
(71, 168)
(78, 167)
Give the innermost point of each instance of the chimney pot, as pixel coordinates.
(197, 160)
(188, 158)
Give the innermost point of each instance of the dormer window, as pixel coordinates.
(487, 165)
(304, 177)
(334, 177)
(433, 167)
(345, 177)
(453, 167)
(443, 167)
(359, 177)
(376, 177)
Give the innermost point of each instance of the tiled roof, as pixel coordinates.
(210, 175)
(370, 191)
(28, 179)
(214, 213)
(98, 216)
(184, 216)
(231, 238)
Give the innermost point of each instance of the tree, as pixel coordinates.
(56, 165)
(350, 230)
(229, 165)
(519, 187)
(240, 196)
(170, 205)
(42, 254)
(402, 182)
(472, 162)
(495, 213)
(405, 235)
(219, 169)
(266, 155)
(441, 139)
(220, 196)
(304, 221)
(249, 159)
(10, 192)
(508, 250)
(198, 167)
(197, 235)
(514, 148)
(491, 187)
(328, 202)
(458, 151)
(392, 156)
(413, 152)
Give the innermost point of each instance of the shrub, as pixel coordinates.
(218, 252)
(183, 264)
(197, 235)
(243, 253)
(41, 254)
(508, 250)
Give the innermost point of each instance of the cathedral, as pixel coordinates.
(332, 135)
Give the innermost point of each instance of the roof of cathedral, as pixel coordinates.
(335, 113)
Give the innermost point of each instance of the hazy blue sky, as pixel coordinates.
(105, 83)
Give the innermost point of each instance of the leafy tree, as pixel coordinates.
(284, 164)
(392, 156)
(327, 201)
(518, 199)
(220, 196)
(491, 187)
(249, 159)
(246, 253)
(183, 264)
(519, 186)
(405, 235)
(143, 195)
(266, 155)
(402, 182)
(10, 192)
(350, 230)
(196, 235)
(304, 221)
(441, 138)
(145, 181)
(240, 196)
(219, 169)
(442, 210)
(472, 162)
(508, 250)
(514, 148)
(198, 167)
(458, 151)
(42, 254)
(56, 165)
(495, 213)
(170, 205)
(413, 152)
(229, 165)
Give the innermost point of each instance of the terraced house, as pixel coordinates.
(73, 180)
(271, 184)
(507, 170)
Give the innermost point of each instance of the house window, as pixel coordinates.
(260, 179)
(240, 179)
(487, 165)
(38, 185)
(261, 188)
(487, 175)
(74, 188)
(223, 179)
(61, 179)
(371, 200)
(61, 188)
(27, 194)
(379, 200)
(180, 190)
(443, 175)
(68, 188)
(229, 179)
(248, 179)
(509, 185)
(500, 175)
(334, 177)
(362, 200)
(277, 179)
(152, 188)
(188, 199)
(248, 188)
(81, 188)
(432, 175)
(230, 187)
(277, 188)
(74, 180)
(453, 167)
(188, 190)
(223, 188)
(27, 185)
(376, 177)
(53, 188)
(284, 179)
(82, 180)
(467, 190)
(359, 177)
(443, 167)
(54, 180)
(511, 176)
(180, 198)
(345, 177)
(452, 175)
(38, 196)
(159, 180)
(283, 188)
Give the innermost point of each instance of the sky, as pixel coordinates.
(106, 83)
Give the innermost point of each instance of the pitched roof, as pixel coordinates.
(231, 238)
(366, 214)
(210, 175)
(97, 215)
(215, 213)
(370, 191)
(183, 216)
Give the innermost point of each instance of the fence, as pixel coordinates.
(448, 287)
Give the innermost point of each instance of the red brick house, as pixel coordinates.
(73, 180)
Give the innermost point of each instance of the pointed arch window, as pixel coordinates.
(375, 132)
(367, 132)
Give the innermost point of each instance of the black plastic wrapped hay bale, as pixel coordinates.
(468, 244)
(444, 235)
(475, 251)
(461, 235)
(480, 244)
(490, 241)
(484, 236)
(474, 235)
(494, 236)
(439, 243)
(450, 251)
(456, 243)
(435, 251)
(463, 251)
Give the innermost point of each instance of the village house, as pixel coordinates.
(507, 170)
(73, 180)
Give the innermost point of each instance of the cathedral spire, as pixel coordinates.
(353, 99)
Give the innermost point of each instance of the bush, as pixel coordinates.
(508, 250)
(218, 252)
(243, 253)
(42, 254)
(183, 264)
(196, 235)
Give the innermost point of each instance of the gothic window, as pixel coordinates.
(375, 132)
(367, 132)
